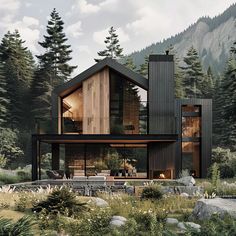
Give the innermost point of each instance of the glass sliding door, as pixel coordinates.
(191, 139)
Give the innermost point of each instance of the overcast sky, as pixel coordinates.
(138, 22)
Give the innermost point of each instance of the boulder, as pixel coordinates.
(187, 181)
(182, 225)
(129, 190)
(204, 208)
(172, 221)
(118, 221)
(99, 202)
(184, 195)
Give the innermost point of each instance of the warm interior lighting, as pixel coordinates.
(162, 176)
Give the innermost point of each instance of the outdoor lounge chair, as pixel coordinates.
(55, 174)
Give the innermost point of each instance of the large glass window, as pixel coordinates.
(128, 106)
(74, 160)
(72, 112)
(118, 160)
(190, 108)
(191, 157)
(191, 126)
(191, 133)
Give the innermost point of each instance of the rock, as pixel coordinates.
(172, 221)
(121, 218)
(99, 202)
(130, 190)
(118, 221)
(184, 195)
(204, 208)
(187, 181)
(182, 225)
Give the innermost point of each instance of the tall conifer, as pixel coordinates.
(113, 49)
(193, 74)
(57, 52)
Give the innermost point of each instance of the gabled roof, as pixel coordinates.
(107, 62)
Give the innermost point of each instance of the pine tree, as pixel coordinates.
(143, 68)
(218, 121)
(41, 95)
(3, 98)
(179, 89)
(129, 63)
(193, 74)
(57, 54)
(207, 85)
(113, 49)
(229, 111)
(18, 68)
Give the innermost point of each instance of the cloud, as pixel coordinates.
(8, 9)
(28, 4)
(9, 5)
(86, 7)
(149, 21)
(28, 29)
(75, 29)
(30, 21)
(100, 36)
(84, 48)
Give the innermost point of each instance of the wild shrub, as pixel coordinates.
(149, 222)
(226, 171)
(8, 178)
(20, 228)
(21, 203)
(23, 175)
(152, 192)
(96, 223)
(62, 200)
(216, 226)
(215, 175)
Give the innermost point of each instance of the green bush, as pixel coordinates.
(215, 175)
(152, 192)
(9, 178)
(220, 155)
(216, 226)
(226, 171)
(96, 223)
(23, 175)
(62, 200)
(20, 228)
(24, 202)
(149, 222)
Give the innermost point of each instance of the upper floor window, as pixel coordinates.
(128, 106)
(190, 108)
(105, 103)
(72, 112)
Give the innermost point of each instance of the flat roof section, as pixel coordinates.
(105, 138)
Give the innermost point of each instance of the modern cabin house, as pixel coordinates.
(112, 121)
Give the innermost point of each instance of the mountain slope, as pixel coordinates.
(212, 37)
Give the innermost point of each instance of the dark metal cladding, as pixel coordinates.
(161, 94)
(161, 157)
(161, 111)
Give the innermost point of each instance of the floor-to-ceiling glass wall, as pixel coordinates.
(118, 160)
(128, 106)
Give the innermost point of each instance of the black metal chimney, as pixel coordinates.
(161, 94)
